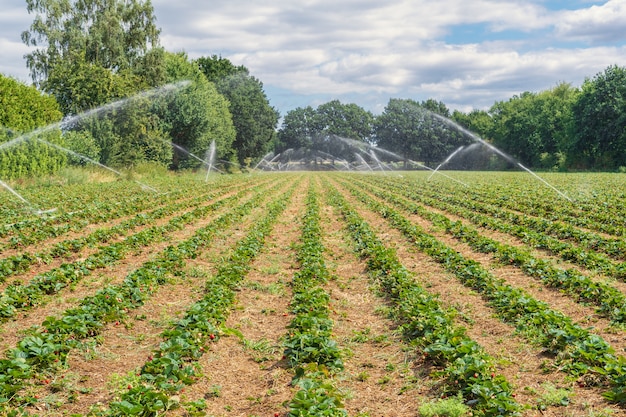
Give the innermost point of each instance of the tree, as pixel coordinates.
(435, 106)
(476, 121)
(217, 68)
(254, 119)
(112, 34)
(346, 120)
(92, 52)
(599, 122)
(298, 129)
(412, 131)
(531, 127)
(22, 110)
(196, 116)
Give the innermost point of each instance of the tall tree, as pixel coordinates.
(114, 34)
(254, 118)
(196, 116)
(476, 121)
(599, 122)
(347, 120)
(435, 106)
(74, 38)
(298, 129)
(532, 127)
(407, 128)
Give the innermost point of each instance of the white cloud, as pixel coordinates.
(365, 51)
(596, 24)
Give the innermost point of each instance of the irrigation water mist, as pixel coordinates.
(509, 158)
(210, 159)
(70, 121)
(361, 145)
(93, 161)
(446, 161)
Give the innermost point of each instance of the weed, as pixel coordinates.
(448, 407)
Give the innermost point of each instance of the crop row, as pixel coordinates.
(20, 263)
(92, 210)
(22, 297)
(174, 363)
(614, 247)
(611, 301)
(603, 218)
(517, 225)
(578, 351)
(44, 350)
(42, 228)
(309, 346)
(465, 366)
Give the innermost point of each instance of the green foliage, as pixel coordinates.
(22, 110)
(599, 122)
(196, 116)
(346, 120)
(254, 119)
(411, 130)
(468, 369)
(313, 132)
(307, 127)
(79, 85)
(533, 127)
(83, 143)
(448, 407)
(114, 35)
(217, 68)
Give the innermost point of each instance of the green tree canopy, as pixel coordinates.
(531, 127)
(113, 34)
(599, 122)
(321, 131)
(196, 115)
(409, 129)
(476, 121)
(90, 52)
(346, 120)
(255, 120)
(298, 129)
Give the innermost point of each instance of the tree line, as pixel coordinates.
(563, 128)
(92, 53)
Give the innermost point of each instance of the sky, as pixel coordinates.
(466, 54)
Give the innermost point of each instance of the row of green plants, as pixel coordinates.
(309, 346)
(81, 205)
(464, 367)
(174, 364)
(44, 349)
(18, 297)
(93, 211)
(577, 351)
(588, 213)
(614, 247)
(20, 263)
(611, 301)
(590, 259)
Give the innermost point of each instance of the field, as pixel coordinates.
(322, 294)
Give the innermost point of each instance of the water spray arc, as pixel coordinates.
(210, 160)
(478, 139)
(446, 161)
(68, 123)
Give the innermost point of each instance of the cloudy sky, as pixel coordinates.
(468, 54)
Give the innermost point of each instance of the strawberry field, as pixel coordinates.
(316, 294)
